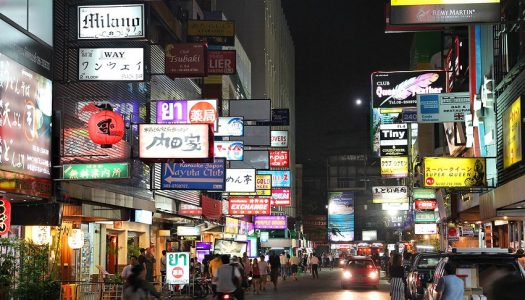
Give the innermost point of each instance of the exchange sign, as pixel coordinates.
(393, 139)
(389, 194)
(95, 171)
(249, 206)
(454, 172)
(178, 267)
(279, 159)
(394, 166)
(111, 64)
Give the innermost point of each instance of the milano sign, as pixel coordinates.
(111, 22)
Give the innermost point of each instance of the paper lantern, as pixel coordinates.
(76, 239)
(106, 128)
(5, 216)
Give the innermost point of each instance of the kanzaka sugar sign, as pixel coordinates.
(279, 158)
(249, 206)
(221, 62)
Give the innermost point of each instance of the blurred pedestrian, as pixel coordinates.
(284, 265)
(331, 260)
(163, 267)
(215, 263)
(397, 281)
(136, 287)
(150, 264)
(256, 276)
(450, 287)
(263, 271)
(521, 257)
(294, 264)
(126, 272)
(229, 278)
(314, 264)
(275, 268)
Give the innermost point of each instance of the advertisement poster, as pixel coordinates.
(186, 60)
(248, 206)
(512, 134)
(240, 180)
(400, 89)
(280, 197)
(125, 21)
(230, 247)
(454, 172)
(441, 108)
(25, 115)
(341, 216)
(412, 12)
(222, 62)
(172, 141)
(212, 32)
(279, 138)
(230, 126)
(280, 179)
(194, 176)
(394, 167)
(111, 64)
(389, 194)
(230, 150)
(393, 139)
(271, 222)
(178, 267)
(279, 159)
(187, 111)
(231, 225)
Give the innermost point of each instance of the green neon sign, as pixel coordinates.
(95, 171)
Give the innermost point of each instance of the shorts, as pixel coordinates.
(264, 278)
(294, 268)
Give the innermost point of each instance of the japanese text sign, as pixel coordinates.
(440, 108)
(186, 60)
(25, 120)
(425, 204)
(280, 179)
(111, 64)
(240, 180)
(218, 33)
(393, 139)
(249, 206)
(222, 62)
(394, 166)
(194, 176)
(454, 172)
(124, 21)
(425, 228)
(399, 89)
(389, 194)
(187, 111)
(279, 138)
(279, 158)
(230, 126)
(270, 222)
(512, 134)
(230, 150)
(178, 267)
(263, 186)
(280, 197)
(95, 171)
(172, 141)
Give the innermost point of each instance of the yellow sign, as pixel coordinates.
(263, 186)
(211, 28)
(512, 149)
(438, 2)
(454, 172)
(394, 166)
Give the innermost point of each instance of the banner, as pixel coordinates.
(217, 33)
(178, 268)
(222, 62)
(125, 21)
(194, 176)
(420, 12)
(189, 210)
(454, 172)
(187, 111)
(421, 193)
(95, 171)
(441, 108)
(512, 134)
(400, 89)
(280, 197)
(393, 139)
(249, 206)
(389, 194)
(211, 208)
(270, 222)
(341, 216)
(263, 186)
(231, 225)
(240, 180)
(111, 64)
(394, 167)
(279, 159)
(186, 60)
(173, 141)
(280, 179)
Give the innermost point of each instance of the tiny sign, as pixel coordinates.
(178, 268)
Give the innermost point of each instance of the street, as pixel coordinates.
(326, 287)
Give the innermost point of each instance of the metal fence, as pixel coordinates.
(92, 291)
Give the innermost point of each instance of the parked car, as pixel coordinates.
(360, 271)
(480, 268)
(420, 272)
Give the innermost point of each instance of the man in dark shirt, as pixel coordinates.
(142, 258)
(275, 267)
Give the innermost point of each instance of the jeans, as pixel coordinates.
(315, 273)
(284, 271)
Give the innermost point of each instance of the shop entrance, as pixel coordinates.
(112, 253)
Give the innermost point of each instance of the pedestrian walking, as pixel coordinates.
(263, 271)
(229, 279)
(126, 272)
(397, 281)
(314, 264)
(450, 287)
(150, 264)
(256, 276)
(163, 267)
(136, 287)
(275, 268)
(331, 261)
(294, 263)
(284, 265)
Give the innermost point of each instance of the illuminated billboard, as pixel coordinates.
(454, 172)
(512, 134)
(394, 166)
(341, 216)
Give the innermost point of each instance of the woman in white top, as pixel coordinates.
(263, 270)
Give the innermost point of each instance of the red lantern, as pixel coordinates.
(5, 216)
(106, 128)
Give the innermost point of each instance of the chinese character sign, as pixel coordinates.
(95, 171)
(172, 141)
(279, 158)
(118, 64)
(454, 172)
(25, 120)
(389, 194)
(512, 143)
(249, 206)
(187, 111)
(240, 180)
(178, 267)
(341, 216)
(394, 166)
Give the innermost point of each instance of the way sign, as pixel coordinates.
(178, 267)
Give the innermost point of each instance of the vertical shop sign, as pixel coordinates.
(341, 216)
(178, 268)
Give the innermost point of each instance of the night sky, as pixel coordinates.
(338, 43)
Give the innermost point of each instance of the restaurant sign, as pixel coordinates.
(95, 171)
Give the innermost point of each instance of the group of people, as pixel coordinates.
(139, 276)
